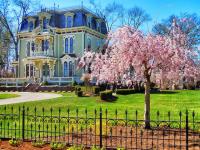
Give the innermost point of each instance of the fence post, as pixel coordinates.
(186, 128)
(23, 122)
(100, 128)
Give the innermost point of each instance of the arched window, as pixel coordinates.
(28, 49)
(66, 45)
(69, 21)
(65, 71)
(27, 70)
(89, 44)
(45, 45)
(30, 26)
(33, 46)
(71, 45)
(70, 69)
(44, 23)
(42, 45)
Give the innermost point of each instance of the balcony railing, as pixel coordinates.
(48, 53)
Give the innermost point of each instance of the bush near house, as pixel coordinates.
(77, 88)
(106, 95)
(80, 93)
(125, 91)
(96, 90)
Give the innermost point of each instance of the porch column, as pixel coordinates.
(29, 71)
(38, 67)
(51, 67)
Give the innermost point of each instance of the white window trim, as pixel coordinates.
(68, 36)
(73, 68)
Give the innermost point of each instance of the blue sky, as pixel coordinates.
(158, 9)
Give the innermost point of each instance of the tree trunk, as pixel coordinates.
(147, 104)
(16, 52)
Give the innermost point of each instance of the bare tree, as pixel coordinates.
(12, 13)
(4, 46)
(136, 17)
(111, 14)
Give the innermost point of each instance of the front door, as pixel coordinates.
(30, 71)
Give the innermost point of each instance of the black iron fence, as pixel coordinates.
(100, 130)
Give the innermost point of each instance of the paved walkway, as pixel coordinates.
(28, 96)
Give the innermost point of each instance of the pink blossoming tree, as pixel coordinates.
(151, 58)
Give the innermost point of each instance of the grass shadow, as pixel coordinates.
(164, 92)
(112, 100)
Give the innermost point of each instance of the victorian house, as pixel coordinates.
(51, 41)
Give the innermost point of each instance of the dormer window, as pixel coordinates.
(69, 21)
(98, 27)
(45, 22)
(89, 21)
(69, 17)
(30, 26)
(44, 19)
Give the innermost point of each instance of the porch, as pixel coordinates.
(22, 82)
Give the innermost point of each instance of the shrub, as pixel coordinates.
(125, 91)
(38, 144)
(45, 83)
(76, 148)
(57, 145)
(75, 83)
(77, 88)
(96, 90)
(14, 142)
(103, 86)
(97, 148)
(106, 95)
(80, 93)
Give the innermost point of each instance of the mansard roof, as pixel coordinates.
(58, 19)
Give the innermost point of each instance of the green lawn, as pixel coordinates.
(7, 95)
(174, 101)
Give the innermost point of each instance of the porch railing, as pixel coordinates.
(60, 80)
(13, 81)
(52, 80)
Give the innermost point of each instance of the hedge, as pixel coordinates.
(125, 91)
(106, 95)
(96, 90)
(80, 93)
(77, 88)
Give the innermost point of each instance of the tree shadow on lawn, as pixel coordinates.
(113, 100)
(164, 92)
